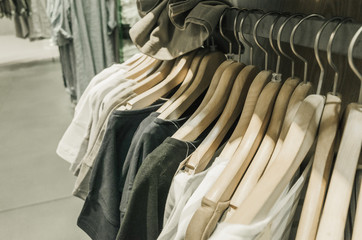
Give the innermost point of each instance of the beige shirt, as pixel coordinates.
(74, 142)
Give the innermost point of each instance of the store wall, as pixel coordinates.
(6, 27)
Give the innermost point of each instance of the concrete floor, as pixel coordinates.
(35, 184)
(15, 50)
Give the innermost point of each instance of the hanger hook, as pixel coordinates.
(243, 39)
(350, 60)
(255, 29)
(236, 32)
(223, 35)
(292, 43)
(316, 52)
(271, 31)
(329, 53)
(279, 36)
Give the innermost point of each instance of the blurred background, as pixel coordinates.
(35, 184)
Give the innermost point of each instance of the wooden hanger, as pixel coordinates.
(226, 183)
(197, 88)
(149, 63)
(193, 128)
(202, 155)
(225, 186)
(254, 92)
(135, 58)
(147, 73)
(190, 76)
(297, 144)
(323, 156)
(206, 73)
(357, 226)
(190, 95)
(138, 62)
(335, 209)
(266, 148)
(200, 120)
(155, 78)
(299, 94)
(298, 141)
(177, 75)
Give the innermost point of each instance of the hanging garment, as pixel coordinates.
(144, 214)
(182, 188)
(39, 23)
(7, 8)
(97, 132)
(84, 169)
(60, 20)
(100, 214)
(21, 26)
(73, 144)
(31, 20)
(194, 202)
(143, 143)
(67, 62)
(96, 138)
(93, 23)
(278, 222)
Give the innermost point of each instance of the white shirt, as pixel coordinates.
(194, 202)
(100, 120)
(99, 78)
(182, 187)
(74, 142)
(275, 226)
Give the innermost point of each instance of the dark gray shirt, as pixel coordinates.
(142, 144)
(100, 215)
(144, 215)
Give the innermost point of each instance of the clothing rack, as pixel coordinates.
(304, 36)
(348, 84)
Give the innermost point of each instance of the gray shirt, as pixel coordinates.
(93, 23)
